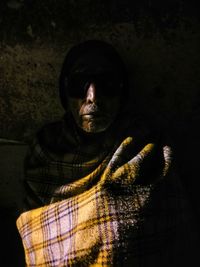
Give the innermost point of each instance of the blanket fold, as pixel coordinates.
(127, 210)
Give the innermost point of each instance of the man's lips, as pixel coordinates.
(94, 115)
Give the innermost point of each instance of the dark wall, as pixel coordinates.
(159, 41)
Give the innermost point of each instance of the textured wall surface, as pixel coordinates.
(164, 68)
(158, 40)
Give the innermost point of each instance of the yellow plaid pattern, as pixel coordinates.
(107, 218)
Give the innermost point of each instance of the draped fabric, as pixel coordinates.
(61, 155)
(118, 203)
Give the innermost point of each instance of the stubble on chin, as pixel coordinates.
(89, 126)
(93, 127)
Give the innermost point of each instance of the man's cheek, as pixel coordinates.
(81, 109)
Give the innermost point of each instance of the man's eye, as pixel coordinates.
(109, 84)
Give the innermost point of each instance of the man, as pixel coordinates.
(101, 188)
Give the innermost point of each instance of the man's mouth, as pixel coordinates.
(94, 115)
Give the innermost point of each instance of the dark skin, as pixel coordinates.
(95, 112)
(99, 85)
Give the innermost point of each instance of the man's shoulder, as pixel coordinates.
(50, 129)
(148, 128)
(50, 134)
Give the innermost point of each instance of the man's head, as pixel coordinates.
(92, 81)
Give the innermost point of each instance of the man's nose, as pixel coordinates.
(91, 93)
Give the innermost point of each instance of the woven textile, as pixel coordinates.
(60, 160)
(111, 216)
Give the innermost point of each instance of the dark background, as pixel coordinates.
(159, 41)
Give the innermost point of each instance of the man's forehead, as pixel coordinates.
(93, 62)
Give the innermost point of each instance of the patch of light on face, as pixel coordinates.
(95, 126)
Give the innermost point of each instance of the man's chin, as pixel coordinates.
(94, 127)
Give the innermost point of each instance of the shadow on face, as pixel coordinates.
(94, 93)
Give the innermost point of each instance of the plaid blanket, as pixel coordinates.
(128, 211)
(60, 160)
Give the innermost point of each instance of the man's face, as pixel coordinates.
(94, 100)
